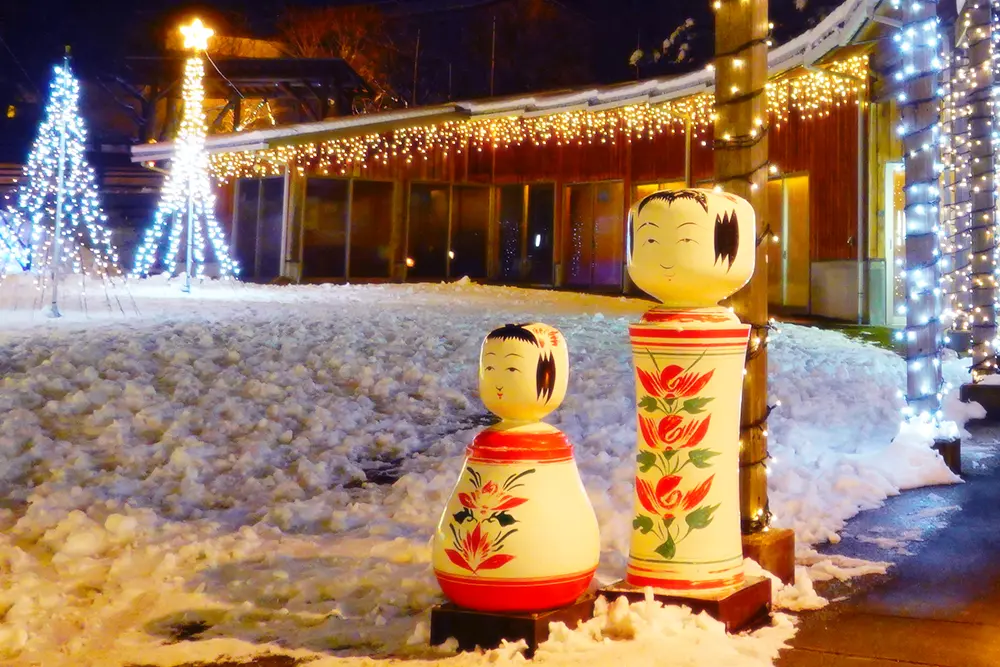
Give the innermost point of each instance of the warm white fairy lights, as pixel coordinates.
(919, 129)
(187, 202)
(978, 307)
(807, 94)
(58, 207)
(956, 194)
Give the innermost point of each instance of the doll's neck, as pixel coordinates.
(514, 426)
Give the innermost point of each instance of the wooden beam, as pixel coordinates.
(741, 161)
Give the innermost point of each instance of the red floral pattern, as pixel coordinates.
(486, 507)
(476, 551)
(666, 500)
(673, 382)
(673, 425)
(673, 431)
(490, 498)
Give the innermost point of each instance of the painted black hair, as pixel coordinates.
(513, 332)
(670, 196)
(545, 372)
(727, 238)
(545, 375)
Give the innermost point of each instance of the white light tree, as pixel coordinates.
(13, 251)
(187, 203)
(58, 206)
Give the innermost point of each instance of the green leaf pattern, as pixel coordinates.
(669, 462)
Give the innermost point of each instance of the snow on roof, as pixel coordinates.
(835, 31)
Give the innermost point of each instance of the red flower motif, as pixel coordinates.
(483, 502)
(673, 431)
(673, 382)
(473, 553)
(665, 499)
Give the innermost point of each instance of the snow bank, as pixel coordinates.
(187, 476)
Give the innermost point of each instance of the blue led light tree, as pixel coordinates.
(57, 203)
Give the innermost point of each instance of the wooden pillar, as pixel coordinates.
(350, 223)
(741, 160)
(687, 152)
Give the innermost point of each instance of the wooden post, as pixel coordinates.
(741, 31)
(741, 162)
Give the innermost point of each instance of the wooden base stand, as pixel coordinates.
(745, 607)
(774, 550)
(951, 452)
(487, 629)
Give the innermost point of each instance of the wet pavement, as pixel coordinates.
(939, 604)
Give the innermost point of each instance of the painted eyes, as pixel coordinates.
(489, 368)
(684, 240)
(513, 370)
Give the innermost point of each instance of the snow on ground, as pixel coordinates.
(186, 476)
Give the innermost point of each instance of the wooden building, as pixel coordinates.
(535, 190)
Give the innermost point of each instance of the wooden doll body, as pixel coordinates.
(518, 533)
(689, 249)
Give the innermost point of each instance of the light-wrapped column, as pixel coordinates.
(982, 219)
(919, 130)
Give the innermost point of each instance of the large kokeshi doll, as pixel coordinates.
(519, 533)
(689, 249)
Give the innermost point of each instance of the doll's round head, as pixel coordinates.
(691, 248)
(523, 371)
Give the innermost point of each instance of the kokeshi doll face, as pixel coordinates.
(523, 371)
(691, 248)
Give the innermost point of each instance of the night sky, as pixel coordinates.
(582, 42)
(101, 31)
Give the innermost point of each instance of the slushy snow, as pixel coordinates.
(192, 476)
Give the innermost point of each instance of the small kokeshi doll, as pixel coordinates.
(689, 249)
(519, 533)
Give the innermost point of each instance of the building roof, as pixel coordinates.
(252, 77)
(833, 33)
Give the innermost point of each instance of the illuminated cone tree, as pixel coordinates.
(187, 205)
(57, 203)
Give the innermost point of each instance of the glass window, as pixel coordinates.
(470, 221)
(324, 225)
(578, 247)
(541, 219)
(609, 233)
(371, 230)
(511, 219)
(260, 205)
(271, 217)
(428, 235)
(245, 232)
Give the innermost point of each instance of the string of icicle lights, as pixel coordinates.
(810, 95)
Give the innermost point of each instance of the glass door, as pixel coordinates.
(895, 243)
(594, 243)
